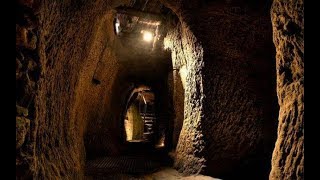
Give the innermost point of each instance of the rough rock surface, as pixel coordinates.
(187, 51)
(22, 129)
(72, 83)
(288, 33)
(72, 86)
(58, 47)
(27, 77)
(77, 116)
(240, 106)
(178, 105)
(230, 83)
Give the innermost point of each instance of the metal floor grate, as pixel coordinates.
(123, 164)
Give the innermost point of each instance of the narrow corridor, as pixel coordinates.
(160, 89)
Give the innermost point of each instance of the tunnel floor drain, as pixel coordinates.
(125, 164)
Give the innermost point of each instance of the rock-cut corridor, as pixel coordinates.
(160, 89)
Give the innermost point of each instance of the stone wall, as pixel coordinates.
(187, 51)
(232, 83)
(69, 32)
(178, 106)
(28, 69)
(71, 87)
(288, 36)
(97, 89)
(240, 107)
(137, 122)
(65, 74)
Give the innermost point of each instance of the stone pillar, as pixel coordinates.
(288, 32)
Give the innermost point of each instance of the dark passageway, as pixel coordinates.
(160, 89)
(143, 149)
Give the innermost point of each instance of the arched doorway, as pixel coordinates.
(140, 116)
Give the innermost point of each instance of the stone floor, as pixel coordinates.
(135, 168)
(123, 164)
(141, 162)
(164, 173)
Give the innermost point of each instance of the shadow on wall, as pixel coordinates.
(234, 89)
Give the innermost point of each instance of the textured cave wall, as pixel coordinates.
(96, 87)
(187, 51)
(27, 77)
(288, 33)
(137, 122)
(234, 86)
(240, 105)
(67, 33)
(178, 106)
(61, 48)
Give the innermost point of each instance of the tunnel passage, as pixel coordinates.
(140, 116)
(72, 84)
(140, 96)
(143, 128)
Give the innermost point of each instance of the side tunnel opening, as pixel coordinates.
(140, 117)
(147, 118)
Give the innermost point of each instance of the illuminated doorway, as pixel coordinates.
(140, 117)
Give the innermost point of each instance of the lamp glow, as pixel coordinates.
(117, 27)
(147, 36)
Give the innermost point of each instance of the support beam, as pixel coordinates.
(138, 13)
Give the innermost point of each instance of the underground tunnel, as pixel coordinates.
(160, 89)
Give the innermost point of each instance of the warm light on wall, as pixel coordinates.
(147, 36)
(117, 26)
(183, 75)
(161, 141)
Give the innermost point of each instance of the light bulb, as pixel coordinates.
(147, 36)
